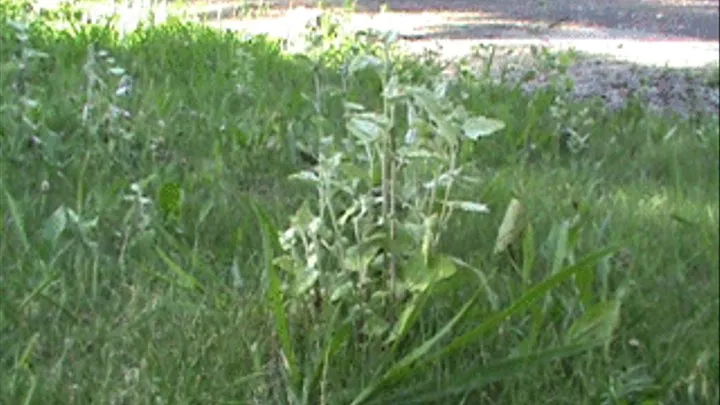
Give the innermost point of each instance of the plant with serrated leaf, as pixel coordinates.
(366, 243)
(360, 259)
(384, 197)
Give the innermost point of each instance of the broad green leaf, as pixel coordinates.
(303, 216)
(364, 61)
(415, 273)
(441, 89)
(419, 276)
(357, 258)
(286, 263)
(353, 107)
(469, 206)
(55, 224)
(512, 226)
(449, 130)
(478, 127)
(406, 239)
(423, 154)
(393, 90)
(355, 172)
(426, 100)
(170, 199)
(598, 323)
(367, 127)
(343, 290)
(441, 267)
(116, 71)
(305, 279)
(306, 175)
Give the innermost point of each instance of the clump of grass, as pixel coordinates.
(145, 187)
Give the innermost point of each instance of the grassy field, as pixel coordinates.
(458, 242)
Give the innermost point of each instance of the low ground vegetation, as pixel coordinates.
(188, 217)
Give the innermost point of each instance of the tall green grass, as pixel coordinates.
(146, 186)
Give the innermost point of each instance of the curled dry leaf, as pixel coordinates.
(512, 226)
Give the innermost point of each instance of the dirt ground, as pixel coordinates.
(662, 18)
(629, 39)
(686, 19)
(653, 32)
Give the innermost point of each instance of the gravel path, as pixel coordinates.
(670, 72)
(660, 18)
(635, 46)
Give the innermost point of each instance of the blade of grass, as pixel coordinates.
(335, 335)
(561, 246)
(275, 295)
(17, 221)
(49, 280)
(408, 318)
(186, 279)
(405, 366)
(522, 304)
(480, 376)
(529, 255)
